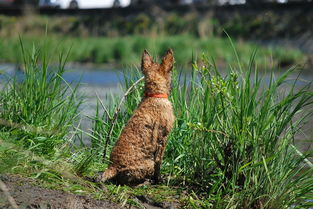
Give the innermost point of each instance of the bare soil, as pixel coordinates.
(28, 195)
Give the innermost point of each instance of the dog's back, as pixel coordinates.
(139, 151)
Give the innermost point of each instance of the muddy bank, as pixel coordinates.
(27, 194)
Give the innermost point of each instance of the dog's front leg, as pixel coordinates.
(157, 152)
(157, 165)
(160, 148)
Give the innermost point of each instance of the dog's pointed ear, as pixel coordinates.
(168, 60)
(146, 60)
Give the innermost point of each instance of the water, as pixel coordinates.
(101, 77)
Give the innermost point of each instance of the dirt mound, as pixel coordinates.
(29, 196)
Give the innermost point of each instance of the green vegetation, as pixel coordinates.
(256, 24)
(232, 145)
(238, 140)
(127, 50)
(119, 41)
(39, 104)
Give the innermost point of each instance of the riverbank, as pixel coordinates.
(234, 149)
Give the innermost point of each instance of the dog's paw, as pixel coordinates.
(146, 182)
(99, 177)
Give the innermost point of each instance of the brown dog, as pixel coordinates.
(138, 153)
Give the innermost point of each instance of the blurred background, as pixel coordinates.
(113, 33)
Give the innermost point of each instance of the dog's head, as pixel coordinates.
(157, 76)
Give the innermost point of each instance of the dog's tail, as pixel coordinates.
(109, 174)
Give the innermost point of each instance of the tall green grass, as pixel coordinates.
(39, 108)
(233, 141)
(234, 138)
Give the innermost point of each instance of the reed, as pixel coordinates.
(39, 108)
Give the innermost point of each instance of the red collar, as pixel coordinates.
(157, 95)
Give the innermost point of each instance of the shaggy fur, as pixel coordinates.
(138, 153)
